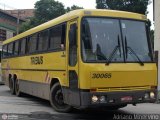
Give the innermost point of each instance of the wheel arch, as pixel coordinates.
(53, 81)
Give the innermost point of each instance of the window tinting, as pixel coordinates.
(10, 49)
(57, 37)
(5, 51)
(16, 48)
(23, 46)
(32, 43)
(100, 38)
(63, 34)
(134, 32)
(43, 40)
(0, 55)
(52, 39)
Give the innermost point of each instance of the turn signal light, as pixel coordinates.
(153, 87)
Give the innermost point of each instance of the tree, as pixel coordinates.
(46, 10)
(137, 6)
(32, 22)
(74, 7)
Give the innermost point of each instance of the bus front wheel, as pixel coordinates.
(56, 99)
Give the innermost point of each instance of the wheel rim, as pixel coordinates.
(57, 98)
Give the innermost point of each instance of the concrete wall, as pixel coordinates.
(8, 22)
(157, 24)
(157, 31)
(9, 33)
(23, 13)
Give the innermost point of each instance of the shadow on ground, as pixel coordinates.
(94, 114)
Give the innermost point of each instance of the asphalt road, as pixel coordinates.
(32, 108)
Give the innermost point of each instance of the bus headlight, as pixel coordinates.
(94, 99)
(152, 95)
(146, 96)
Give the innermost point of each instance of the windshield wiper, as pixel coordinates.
(132, 51)
(102, 56)
(114, 52)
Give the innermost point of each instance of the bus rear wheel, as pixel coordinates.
(12, 85)
(17, 90)
(56, 99)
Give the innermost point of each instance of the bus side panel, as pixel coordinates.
(34, 88)
(35, 72)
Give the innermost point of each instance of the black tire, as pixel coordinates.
(12, 86)
(17, 90)
(56, 99)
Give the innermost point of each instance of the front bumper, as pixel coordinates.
(115, 98)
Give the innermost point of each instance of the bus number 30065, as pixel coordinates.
(101, 75)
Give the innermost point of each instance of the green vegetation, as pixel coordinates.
(46, 10)
(137, 6)
(74, 7)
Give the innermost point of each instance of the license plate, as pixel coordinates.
(126, 98)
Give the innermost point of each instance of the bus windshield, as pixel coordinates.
(114, 40)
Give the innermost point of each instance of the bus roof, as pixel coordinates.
(79, 13)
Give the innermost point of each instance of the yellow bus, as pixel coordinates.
(84, 59)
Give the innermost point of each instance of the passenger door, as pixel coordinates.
(73, 97)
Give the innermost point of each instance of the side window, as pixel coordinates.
(63, 40)
(13, 47)
(23, 46)
(0, 56)
(10, 49)
(4, 51)
(55, 37)
(43, 40)
(73, 44)
(16, 48)
(27, 44)
(32, 43)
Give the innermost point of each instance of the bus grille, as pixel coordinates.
(115, 89)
